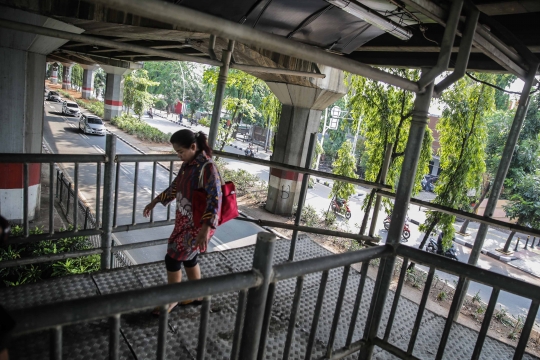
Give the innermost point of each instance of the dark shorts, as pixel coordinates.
(173, 265)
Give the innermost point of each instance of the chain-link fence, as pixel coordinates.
(66, 199)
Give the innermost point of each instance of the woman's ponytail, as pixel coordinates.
(202, 143)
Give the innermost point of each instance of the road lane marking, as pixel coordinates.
(147, 190)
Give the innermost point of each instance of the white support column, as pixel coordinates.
(114, 91)
(88, 81)
(66, 76)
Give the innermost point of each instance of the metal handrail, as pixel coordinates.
(96, 307)
(486, 277)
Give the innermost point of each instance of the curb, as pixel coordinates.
(491, 254)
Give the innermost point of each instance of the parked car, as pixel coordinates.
(54, 96)
(71, 108)
(91, 124)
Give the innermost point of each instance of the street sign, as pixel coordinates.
(334, 122)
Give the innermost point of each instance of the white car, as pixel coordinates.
(91, 124)
(71, 108)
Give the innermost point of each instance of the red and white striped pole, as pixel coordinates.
(114, 91)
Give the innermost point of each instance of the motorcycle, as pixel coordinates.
(249, 153)
(340, 206)
(405, 234)
(150, 114)
(435, 247)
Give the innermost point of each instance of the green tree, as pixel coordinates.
(136, 95)
(502, 99)
(243, 97)
(344, 165)
(526, 157)
(174, 79)
(386, 113)
(76, 76)
(100, 78)
(524, 205)
(462, 130)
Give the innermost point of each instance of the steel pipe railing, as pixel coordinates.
(97, 307)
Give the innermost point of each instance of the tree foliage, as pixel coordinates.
(345, 165)
(526, 156)
(244, 95)
(386, 113)
(463, 133)
(136, 95)
(525, 202)
(100, 78)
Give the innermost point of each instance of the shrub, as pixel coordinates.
(204, 122)
(142, 130)
(160, 104)
(25, 274)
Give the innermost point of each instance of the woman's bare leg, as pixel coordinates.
(173, 278)
(193, 273)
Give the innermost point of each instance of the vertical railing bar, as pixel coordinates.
(421, 308)
(292, 319)
(526, 331)
(238, 324)
(203, 328)
(116, 186)
(76, 198)
(316, 315)
(454, 309)
(57, 181)
(256, 299)
(56, 343)
(26, 185)
(396, 299)
(337, 312)
(61, 185)
(114, 337)
(170, 182)
(98, 195)
(303, 192)
(51, 197)
(68, 199)
(266, 321)
(108, 201)
(485, 323)
(86, 213)
(135, 184)
(153, 189)
(162, 331)
(357, 302)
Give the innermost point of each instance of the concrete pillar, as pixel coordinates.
(54, 73)
(22, 121)
(300, 116)
(114, 90)
(22, 56)
(66, 76)
(88, 81)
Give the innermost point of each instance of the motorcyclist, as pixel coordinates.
(249, 150)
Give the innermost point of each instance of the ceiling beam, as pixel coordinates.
(488, 46)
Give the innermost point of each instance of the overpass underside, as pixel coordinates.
(305, 299)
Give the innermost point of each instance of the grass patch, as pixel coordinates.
(142, 130)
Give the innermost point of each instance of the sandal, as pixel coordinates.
(156, 310)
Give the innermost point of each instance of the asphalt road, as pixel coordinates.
(62, 136)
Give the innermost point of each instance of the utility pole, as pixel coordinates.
(322, 138)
